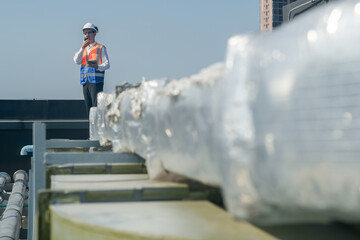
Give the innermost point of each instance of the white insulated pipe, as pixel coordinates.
(276, 127)
(11, 219)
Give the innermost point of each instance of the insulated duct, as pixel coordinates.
(11, 218)
(276, 126)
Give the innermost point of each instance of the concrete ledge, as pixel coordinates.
(173, 220)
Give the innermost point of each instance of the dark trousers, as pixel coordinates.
(90, 91)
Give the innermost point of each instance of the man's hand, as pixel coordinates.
(93, 65)
(85, 43)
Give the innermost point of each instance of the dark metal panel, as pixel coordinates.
(65, 119)
(50, 125)
(42, 109)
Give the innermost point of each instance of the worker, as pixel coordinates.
(94, 60)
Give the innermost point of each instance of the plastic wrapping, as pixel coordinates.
(129, 120)
(279, 132)
(183, 131)
(287, 131)
(100, 128)
(167, 123)
(93, 127)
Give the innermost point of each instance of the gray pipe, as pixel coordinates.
(11, 219)
(4, 178)
(26, 149)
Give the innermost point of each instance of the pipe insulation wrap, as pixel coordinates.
(11, 218)
(149, 119)
(26, 149)
(288, 137)
(276, 126)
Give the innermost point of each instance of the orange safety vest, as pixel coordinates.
(88, 73)
(95, 54)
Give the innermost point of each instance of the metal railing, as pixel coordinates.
(41, 158)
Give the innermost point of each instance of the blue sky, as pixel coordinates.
(148, 38)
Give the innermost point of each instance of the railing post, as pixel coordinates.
(38, 180)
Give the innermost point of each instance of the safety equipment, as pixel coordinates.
(90, 73)
(90, 26)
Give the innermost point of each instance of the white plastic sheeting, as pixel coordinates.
(167, 123)
(288, 126)
(100, 128)
(279, 132)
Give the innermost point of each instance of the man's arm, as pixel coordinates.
(105, 63)
(78, 56)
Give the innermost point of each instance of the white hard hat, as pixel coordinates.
(90, 26)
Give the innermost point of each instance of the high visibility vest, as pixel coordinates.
(90, 73)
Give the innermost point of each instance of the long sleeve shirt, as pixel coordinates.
(105, 63)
